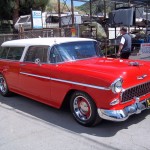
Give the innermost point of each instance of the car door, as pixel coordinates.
(11, 65)
(35, 74)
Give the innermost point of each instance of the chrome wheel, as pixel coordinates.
(82, 108)
(3, 85)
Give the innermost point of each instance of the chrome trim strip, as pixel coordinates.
(33, 75)
(66, 81)
(81, 84)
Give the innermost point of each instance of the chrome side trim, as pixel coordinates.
(81, 84)
(67, 81)
(124, 114)
(34, 75)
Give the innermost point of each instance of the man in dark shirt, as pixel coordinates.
(125, 44)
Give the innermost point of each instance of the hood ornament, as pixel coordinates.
(142, 77)
(134, 63)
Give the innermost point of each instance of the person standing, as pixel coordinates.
(125, 44)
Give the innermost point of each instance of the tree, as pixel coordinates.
(5, 10)
(12, 9)
(15, 11)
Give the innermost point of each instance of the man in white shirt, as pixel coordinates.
(125, 44)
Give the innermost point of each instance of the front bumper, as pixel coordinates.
(121, 115)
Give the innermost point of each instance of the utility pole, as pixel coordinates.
(72, 11)
(59, 16)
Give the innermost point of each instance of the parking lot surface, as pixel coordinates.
(26, 125)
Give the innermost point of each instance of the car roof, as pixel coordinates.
(43, 41)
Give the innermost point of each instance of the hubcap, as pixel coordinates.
(82, 108)
(3, 86)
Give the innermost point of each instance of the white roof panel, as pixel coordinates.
(43, 41)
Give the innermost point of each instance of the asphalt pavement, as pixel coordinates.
(29, 125)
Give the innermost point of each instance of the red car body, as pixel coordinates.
(53, 83)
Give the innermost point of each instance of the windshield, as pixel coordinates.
(74, 51)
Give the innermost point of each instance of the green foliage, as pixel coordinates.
(26, 5)
(52, 6)
(97, 6)
(12, 9)
(7, 7)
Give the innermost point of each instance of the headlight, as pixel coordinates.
(116, 86)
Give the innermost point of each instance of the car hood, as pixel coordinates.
(131, 71)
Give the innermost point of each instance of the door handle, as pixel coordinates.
(22, 64)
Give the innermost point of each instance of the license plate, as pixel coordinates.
(148, 102)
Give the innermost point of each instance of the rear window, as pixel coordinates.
(4, 52)
(13, 53)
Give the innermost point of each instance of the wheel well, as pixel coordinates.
(1, 74)
(66, 102)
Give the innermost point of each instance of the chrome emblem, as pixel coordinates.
(142, 77)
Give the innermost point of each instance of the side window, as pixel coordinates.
(55, 56)
(15, 53)
(35, 52)
(4, 52)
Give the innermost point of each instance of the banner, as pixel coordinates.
(37, 19)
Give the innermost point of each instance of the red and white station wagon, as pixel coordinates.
(55, 71)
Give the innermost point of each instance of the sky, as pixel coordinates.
(78, 3)
(75, 3)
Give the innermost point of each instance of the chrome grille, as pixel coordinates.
(136, 91)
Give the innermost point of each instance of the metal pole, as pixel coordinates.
(59, 15)
(104, 9)
(146, 20)
(90, 10)
(115, 36)
(72, 11)
(115, 25)
(31, 18)
(91, 30)
(129, 4)
(106, 44)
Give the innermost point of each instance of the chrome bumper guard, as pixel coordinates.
(121, 115)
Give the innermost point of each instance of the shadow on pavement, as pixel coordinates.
(64, 119)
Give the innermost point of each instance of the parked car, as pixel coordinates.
(58, 71)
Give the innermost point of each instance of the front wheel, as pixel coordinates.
(84, 109)
(4, 87)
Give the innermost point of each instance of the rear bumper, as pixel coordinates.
(121, 115)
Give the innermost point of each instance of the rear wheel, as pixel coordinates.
(84, 109)
(4, 87)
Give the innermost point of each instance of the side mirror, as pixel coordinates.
(38, 61)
